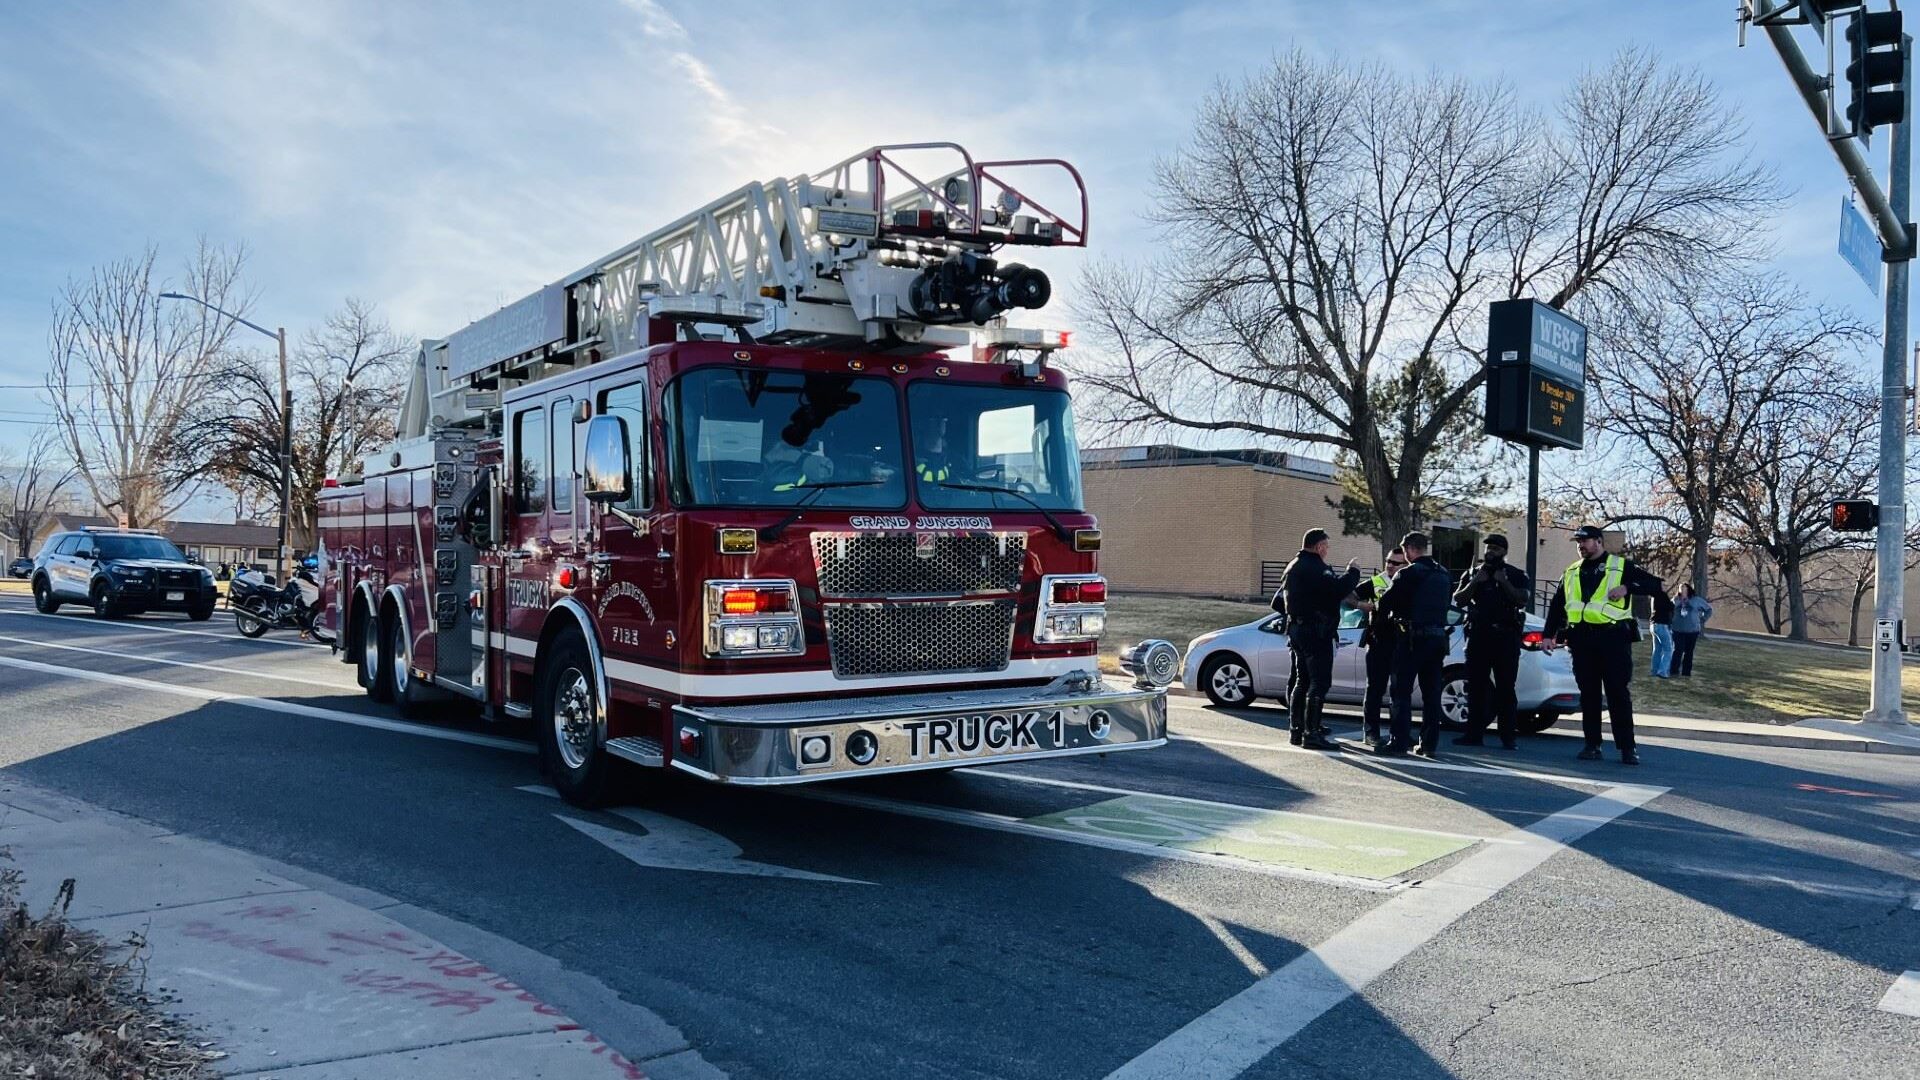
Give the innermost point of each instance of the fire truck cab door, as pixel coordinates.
(529, 557)
(630, 552)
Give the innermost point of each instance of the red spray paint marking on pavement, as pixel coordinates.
(1845, 791)
(393, 943)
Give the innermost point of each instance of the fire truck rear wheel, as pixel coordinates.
(396, 659)
(371, 675)
(566, 720)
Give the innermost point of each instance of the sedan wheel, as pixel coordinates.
(1453, 699)
(1227, 681)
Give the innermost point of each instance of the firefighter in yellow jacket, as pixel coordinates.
(1592, 614)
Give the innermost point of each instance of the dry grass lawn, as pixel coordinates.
(1764, 683)
(1733, 679)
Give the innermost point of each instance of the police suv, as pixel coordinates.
(120, 572)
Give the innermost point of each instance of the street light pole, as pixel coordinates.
(286, 462)
(286, 424)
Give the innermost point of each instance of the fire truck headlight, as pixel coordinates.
(738, 638)
(862, 747)
(1093, 624)
(775, 637)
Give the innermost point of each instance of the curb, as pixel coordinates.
(292, 973)
(1655, 728)
(1785, 741)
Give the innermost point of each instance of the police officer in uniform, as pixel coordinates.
(1591, 613)
(1314, 595)
(1495, 597)
(1418, 600)
(1381, 639)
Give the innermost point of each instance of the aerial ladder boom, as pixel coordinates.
(868, 255)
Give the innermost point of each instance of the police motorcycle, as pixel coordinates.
(260, 604)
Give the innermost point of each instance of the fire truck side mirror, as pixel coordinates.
(483, 512)
(609, 465)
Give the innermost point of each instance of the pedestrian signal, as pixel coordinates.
(1855, 515)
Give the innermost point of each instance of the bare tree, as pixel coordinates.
(1684, 380)
(125, 368)
(1802, 454)
(1333, 234)
(346, 379)
(34, 486)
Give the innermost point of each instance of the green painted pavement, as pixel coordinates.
(1353, 848)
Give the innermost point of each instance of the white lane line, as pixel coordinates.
(291, 708)
(980, 819)
(127, 624)
(180, 663)
(1903, 996)
(1358, 755)
(1104, 789)
(1239, 1032)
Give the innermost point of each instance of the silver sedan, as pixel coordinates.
(1235, 665)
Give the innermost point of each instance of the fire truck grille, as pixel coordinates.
(906, 564)
(870, 640)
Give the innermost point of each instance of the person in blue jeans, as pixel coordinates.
(1662, 636)
(1690, 615)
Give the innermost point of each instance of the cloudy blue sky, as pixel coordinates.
(439, 159)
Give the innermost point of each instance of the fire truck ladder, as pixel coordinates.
(867, 254)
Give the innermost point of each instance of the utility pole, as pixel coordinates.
(1890, 213)
(286, 464)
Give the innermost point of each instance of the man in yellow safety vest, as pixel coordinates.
(1592, 614)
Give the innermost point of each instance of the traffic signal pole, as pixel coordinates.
(1891, 215)
(1889, 583)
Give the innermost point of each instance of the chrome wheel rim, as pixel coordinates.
(573, 720)
(1453, 701)
(1232, 682)
(369, 656)
(400, 672)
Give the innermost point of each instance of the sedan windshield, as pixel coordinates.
(137, 547)
(773, 438)
(993, 447)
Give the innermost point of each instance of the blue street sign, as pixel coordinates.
(1859, 245)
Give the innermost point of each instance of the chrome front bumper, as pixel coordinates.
(1078, 713)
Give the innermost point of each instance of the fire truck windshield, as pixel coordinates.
(772, 438)
(968, 440)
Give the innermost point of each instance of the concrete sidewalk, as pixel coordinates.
(1818, 733)
(299, 977)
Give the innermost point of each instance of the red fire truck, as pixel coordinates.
(772, 495)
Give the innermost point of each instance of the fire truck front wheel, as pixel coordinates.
(566, 718)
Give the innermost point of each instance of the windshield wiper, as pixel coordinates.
(814, 491)
(1059, 530)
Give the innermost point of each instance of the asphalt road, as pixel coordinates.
(1224, 906)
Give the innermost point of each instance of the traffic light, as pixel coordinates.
(1855, 515)
(1876, 41)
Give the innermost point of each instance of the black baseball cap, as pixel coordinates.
(1497, 540)
(1589, 532)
